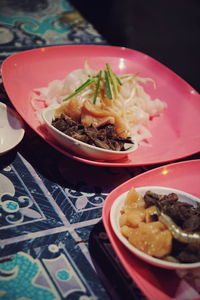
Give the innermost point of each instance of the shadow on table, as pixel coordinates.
(7, 158)
(115, 279)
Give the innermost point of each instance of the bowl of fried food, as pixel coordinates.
(160, 225)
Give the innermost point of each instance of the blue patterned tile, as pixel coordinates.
(40, 23)
(60, 269)
(25, 207)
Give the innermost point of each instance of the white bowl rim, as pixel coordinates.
(115, 209)
(131, 149)
(18, 119)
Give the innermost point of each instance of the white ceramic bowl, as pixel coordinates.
(115, 215)
(79, 147)
(11, 129)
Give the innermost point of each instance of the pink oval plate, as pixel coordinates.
(155, 282)
(175, 133)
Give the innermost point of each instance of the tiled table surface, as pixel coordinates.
(52, 241)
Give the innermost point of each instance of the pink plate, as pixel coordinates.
(175, 133)
(156, 283)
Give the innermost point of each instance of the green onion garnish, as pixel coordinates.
(80, 88)
(107, 85)
(113, 80)
(110, 82)
(117, 78)
(97, 86)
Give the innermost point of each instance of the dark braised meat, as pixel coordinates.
(185, 216)
(102, 137)
(151, 199)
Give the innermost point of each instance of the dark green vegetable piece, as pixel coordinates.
(107, 85)
(80, 88)
(113, 80)
(97, 86)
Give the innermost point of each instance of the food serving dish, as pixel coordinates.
(115, 214)
(23, 72)
(11, 129)
(156, 283)
(79, 147)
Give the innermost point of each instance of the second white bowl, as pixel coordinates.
(115, 214)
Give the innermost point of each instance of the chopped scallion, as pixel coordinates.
(118, 80)
(107, 85)
(110, 82)
(113, 80)
(97, 86)
(80, 88)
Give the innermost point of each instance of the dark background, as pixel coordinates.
(167, 30)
